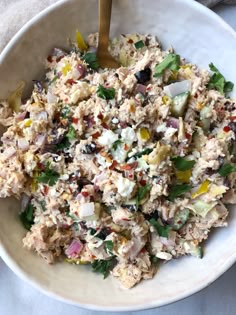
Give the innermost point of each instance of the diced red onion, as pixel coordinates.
(21, 116)
(173, 122)
(41, 116)
(23, 144)
(89, 120)
(74, 249)
(136, 248)
(40, 140)
(79, 71)
(177, 88)
(140, 88)
(92, 49)
(9, 152)
(167, 242)
(51, 98)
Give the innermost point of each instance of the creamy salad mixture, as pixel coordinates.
(120, 168)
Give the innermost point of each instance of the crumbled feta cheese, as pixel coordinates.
(125, 187)
(128, 135)
(108, 137)
(161, 128)
(120, 154)
(86, 210)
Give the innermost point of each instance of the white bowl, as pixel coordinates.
(196, 33)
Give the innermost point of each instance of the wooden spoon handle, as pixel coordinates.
(104, 22)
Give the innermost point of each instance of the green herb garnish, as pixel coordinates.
(64, 144)
(91, 59)
(139, 44)
(140, 154)
(116, 144)
(141, 193)
(182, 164)
(104, 266)
(92, 231)
(178, 190)
(171, 62)
(226, 169)
(71, 134)
(53, 80)
(65, 112)
(154, 260)
(162, 231)
(109, 247)
(27, 216)
(48, 176)
(218, 82)
(105, 93)
(43, 205)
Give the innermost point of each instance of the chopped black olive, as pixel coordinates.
(143, 76)
(89, 148)
(39, 85)
(103, 233)
(131, 207)
(153, 215)
(232, 126)
(83, 181)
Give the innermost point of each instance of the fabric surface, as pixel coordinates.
(13, 14)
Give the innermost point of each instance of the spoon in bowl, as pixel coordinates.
(105, 60)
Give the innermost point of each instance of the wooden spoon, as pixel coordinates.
(105, 60)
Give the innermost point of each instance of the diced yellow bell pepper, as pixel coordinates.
(165, 99)
(144, 134)
(173, 76)
(202, 189)
(80, 41)
(159, 154)
(183, 176)
(76, 261)
(187, 66)
(28, 122)
(66, 69)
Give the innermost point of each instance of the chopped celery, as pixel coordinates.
(179, 103)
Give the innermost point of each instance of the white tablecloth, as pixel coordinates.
(18, 298)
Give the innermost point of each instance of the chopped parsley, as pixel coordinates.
(182, 164)
(65, 112)
(177, 191)
(105, 93)
(226, 169)
(64, 144)
(154, 260)
(140, 154)
(141, 193)
(91, 59)
(71, 134)
(139, 44)
(48, 176)
(27, 216)
(116, 144)
(171, 62)
(109, 247)
(43, 205)
(104, 266)
(218, 82)
(162, 230)
(92, 231)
